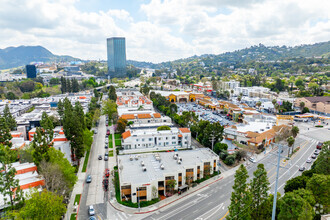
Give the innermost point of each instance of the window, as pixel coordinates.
(142, 139)
(180, 174)
(173, 137)
(198, 167)
(169, 178)
(139, 145)
(166, 138)
(160, 143)
(141, 188)
(164, 120)
(148, 121)
(174, 142)
(159, 138)
(166, 143)
(190, 170)
(150, 139)
(126, 187)
(137, 139)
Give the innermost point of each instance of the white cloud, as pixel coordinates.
(172, 29)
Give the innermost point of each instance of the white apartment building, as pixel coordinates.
(132, 99)
(230, 85)
(146, 176)
(151, 139)
(247, 90)
(147, 120)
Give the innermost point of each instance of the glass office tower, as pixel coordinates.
(116, 50)
(31, 71)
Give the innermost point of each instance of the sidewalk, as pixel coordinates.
(77, 189)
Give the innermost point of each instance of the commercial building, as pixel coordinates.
(116, 50)
(249, 91)
(31, 71)
(229, 85)
(319, 104)
(143, 177)
(152, 139)
(153, 120)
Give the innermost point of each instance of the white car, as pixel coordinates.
(309, 160)
(252, 159)
(91, 210)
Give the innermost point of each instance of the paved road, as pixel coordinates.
(212, 202)
(93, 193)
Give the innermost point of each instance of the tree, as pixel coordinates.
(219, 146)
(79, 113)
(258, 188)
(68, 85)
(296, 183)
(63, 85)
(40, 146)
(109, 108)
(121, 125)
(9, 186)
(212, 130)
(319, 184)
(112, 94)
(173, 108)
(240, 197)
(5, 135)
(258, 104)
(306, 195)
(292, 206)
(171, 184)
(75, 85)
(302, 105)
(290, 142)
(295, 131)
(305, 110)
(10, 120)
(96, 116)
(47, 124)
(44, 205)
(11, 96)
(322, 164)
(60, 108)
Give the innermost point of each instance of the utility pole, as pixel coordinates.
(139, 198)
(212, 139)
(278, 166)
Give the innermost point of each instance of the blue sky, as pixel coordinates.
(161, 30)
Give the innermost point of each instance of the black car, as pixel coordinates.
(316, 152)
(100, 157)
(313, 156)
(301, 168)
(106, 146)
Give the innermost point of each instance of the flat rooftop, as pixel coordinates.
(254, 127)
(132, 173)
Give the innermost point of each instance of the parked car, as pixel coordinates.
(106, 154)
(106, 158)
(309, 160)
(252, 159)
(106, 146)
(319, 145)
(107, 172)
(100, 157)
(91, 218)
(302, 168)
(313, 156)
(95, 131)
(89, 179)
(91, 210)
(316, 152)
(108, 132)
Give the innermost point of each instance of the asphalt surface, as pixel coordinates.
(213, 201)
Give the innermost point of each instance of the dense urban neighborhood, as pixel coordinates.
(235, 135)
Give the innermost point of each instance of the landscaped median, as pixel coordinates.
(76, 202)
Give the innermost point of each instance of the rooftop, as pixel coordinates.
(132, 173)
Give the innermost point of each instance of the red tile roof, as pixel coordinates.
(126, 134)
(140, 116)
(184, 130)
(127, 117)
(157, 115)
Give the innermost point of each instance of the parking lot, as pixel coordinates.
(204, 113)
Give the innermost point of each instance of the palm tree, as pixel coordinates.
(277, 106)
(274, 102)
(295, 131)
(302, 105)
(290, 142)
(239, 98)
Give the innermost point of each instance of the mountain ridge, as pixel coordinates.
(11, 57)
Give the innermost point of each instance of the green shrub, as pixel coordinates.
(319, 126)
(163, 128)
(230, 159)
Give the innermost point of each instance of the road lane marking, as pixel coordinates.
(224, 215)
(213, 210)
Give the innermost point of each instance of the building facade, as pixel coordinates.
(116, 50)
(319, 104)
(147, 176)
(31, 71)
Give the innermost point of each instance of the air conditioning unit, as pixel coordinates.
(179, 161)
(144, 169)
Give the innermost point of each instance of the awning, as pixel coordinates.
(182, 187)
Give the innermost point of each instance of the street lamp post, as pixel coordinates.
(139, 198)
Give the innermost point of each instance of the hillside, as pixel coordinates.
(253, 53)
(19, 56)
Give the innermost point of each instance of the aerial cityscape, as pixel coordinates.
(165, 110)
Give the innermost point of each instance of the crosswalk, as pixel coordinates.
(304, 137)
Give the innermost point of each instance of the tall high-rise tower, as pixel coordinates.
(116, 50)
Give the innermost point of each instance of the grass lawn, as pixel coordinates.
(86, 161)
(110, 153)
(73, 216)
(77, 199)
(118, 142)
(110, 137)
(110, 144)
(117, 136)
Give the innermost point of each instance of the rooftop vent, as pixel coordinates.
(179, 161)
(131, 158)
(136, 157)
(142, 163)
(144, 169)
(175, 156)
(162, 167)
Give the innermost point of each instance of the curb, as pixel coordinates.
(171, 201)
